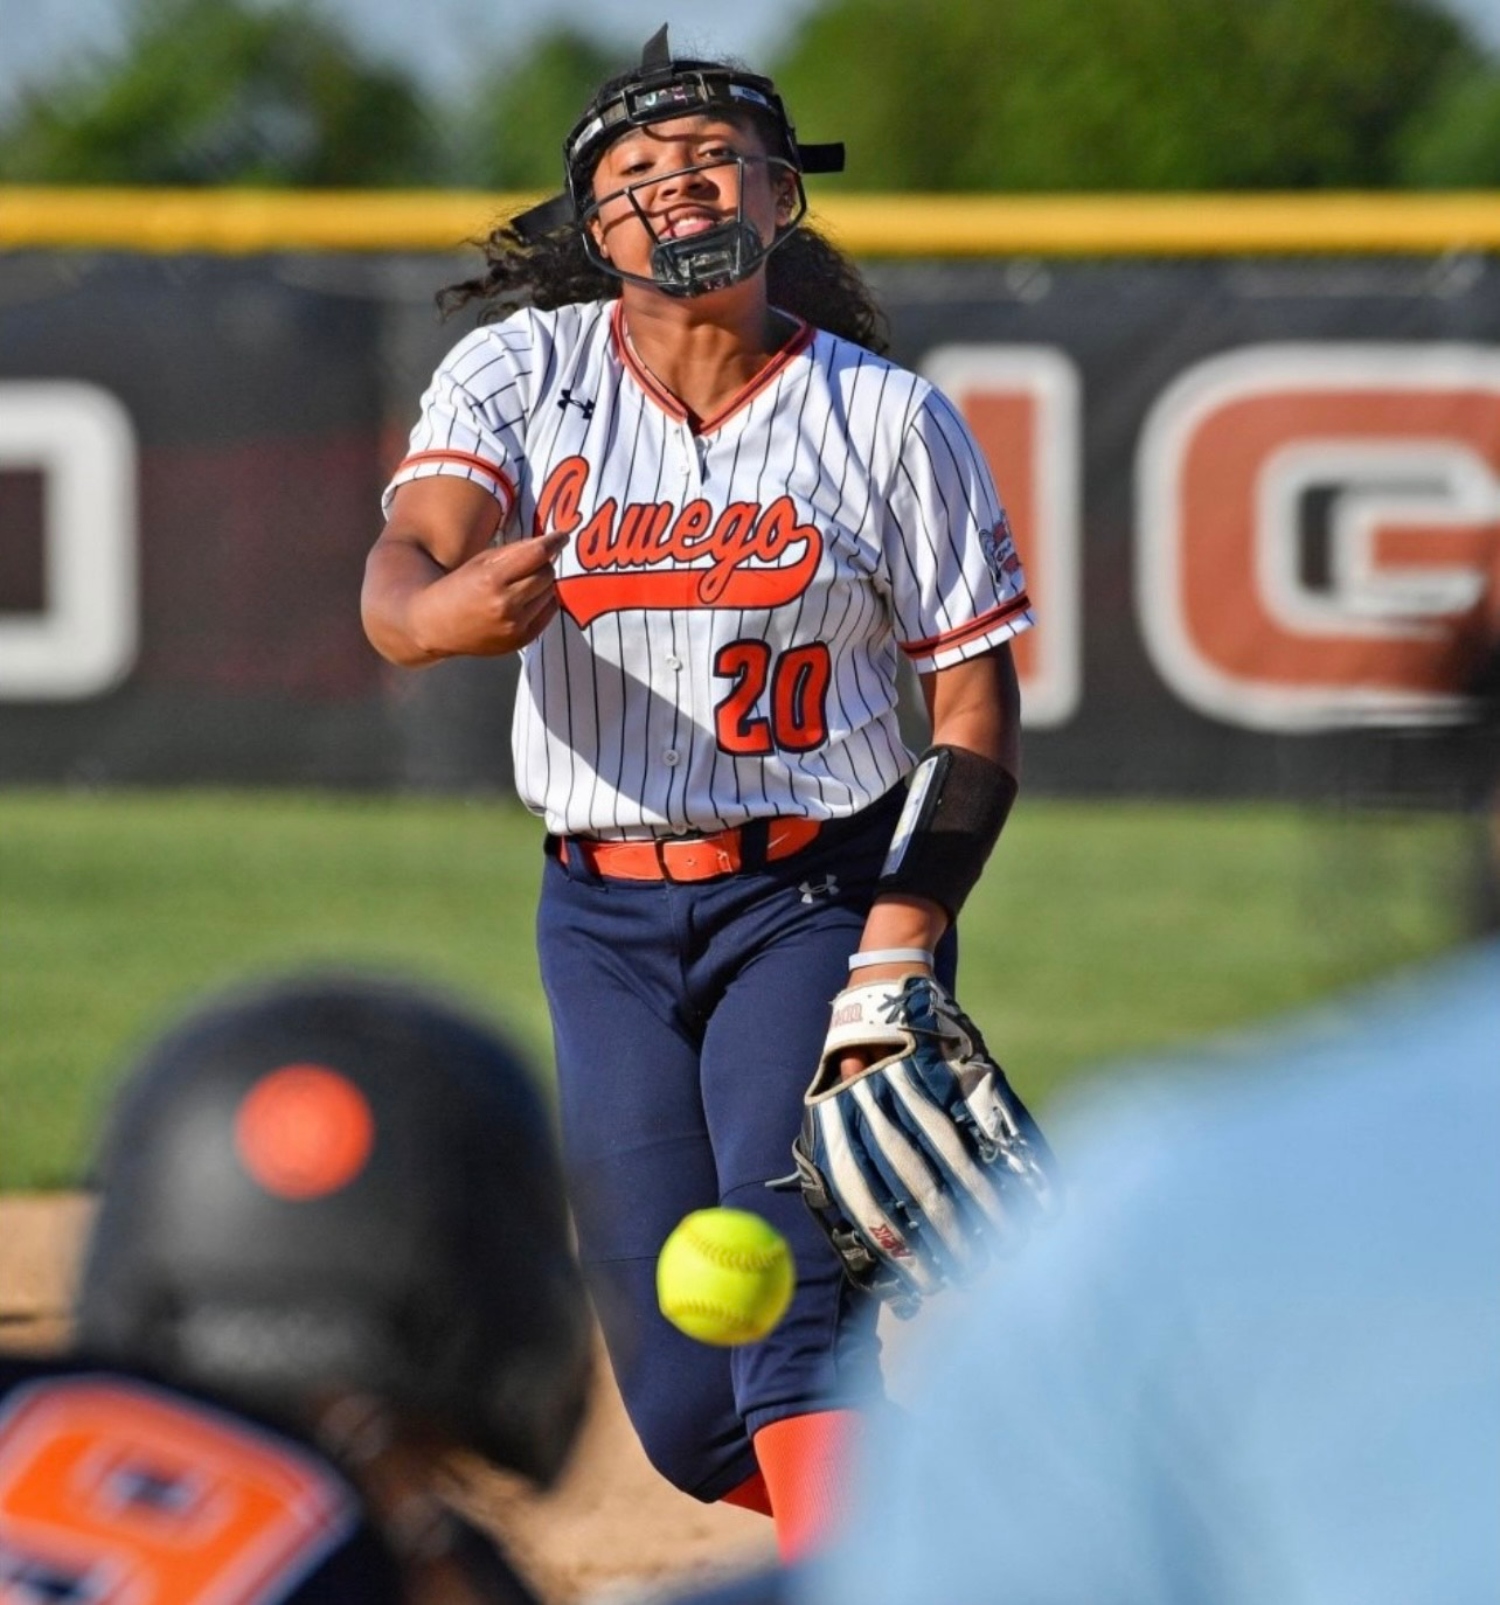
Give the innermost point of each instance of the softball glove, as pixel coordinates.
(925, 1165)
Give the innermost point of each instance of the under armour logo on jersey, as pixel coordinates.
(567, 399)
(813, 890)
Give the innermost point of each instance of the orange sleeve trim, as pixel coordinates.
(466, 459)
(967, 632)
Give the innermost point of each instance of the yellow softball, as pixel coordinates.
(724, 1276)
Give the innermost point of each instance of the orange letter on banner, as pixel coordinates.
(1319, 532)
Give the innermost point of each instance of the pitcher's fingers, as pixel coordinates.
(540, 617)
(538, 551)
(531, 556)
(528, 591)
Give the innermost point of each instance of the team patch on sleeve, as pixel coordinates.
(1000, 555)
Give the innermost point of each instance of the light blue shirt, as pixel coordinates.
(1257, 1361)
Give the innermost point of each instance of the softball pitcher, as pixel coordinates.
(677, 476)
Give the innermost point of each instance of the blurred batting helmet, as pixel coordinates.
(661, 88)
(333, 1185)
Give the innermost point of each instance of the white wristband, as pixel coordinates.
(891, 955)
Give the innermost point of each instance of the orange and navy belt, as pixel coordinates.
(693, 858)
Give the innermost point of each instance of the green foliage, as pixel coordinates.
(1121, 94)
(1455, 144)
(1099, 929)
(997, 95)
(523, 111)
(222, 92)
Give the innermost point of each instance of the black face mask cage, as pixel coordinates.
(725, 254)
(663, 89)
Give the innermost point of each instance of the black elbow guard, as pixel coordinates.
(955, 808)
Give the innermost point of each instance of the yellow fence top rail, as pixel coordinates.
(246, 222)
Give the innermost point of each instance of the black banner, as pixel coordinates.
(1259, 501)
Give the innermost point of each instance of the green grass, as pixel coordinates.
(1100, 929)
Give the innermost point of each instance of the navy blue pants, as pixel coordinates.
(688, 1020)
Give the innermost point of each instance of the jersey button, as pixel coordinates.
(674, 663)
(669, 758)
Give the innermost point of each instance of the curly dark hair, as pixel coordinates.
(805, 275)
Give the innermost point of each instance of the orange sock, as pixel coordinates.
(751, 1494)
(803, 1460)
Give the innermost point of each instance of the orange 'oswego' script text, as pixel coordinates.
(652, 554)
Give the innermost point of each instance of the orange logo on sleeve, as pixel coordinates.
(304, 1131)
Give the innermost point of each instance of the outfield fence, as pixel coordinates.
(1250, 447)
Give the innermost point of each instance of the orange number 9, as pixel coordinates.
(143, 1497)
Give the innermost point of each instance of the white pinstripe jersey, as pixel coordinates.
(733, 598)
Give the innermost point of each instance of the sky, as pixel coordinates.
(443, 40)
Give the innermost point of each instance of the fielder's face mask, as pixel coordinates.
(662, 89)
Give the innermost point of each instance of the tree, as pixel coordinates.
(1121, 94)
(523, 111)
(1455, 144)
(215, 92)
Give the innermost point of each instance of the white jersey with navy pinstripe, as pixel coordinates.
(733, 596)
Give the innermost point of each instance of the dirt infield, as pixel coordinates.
(611, 1524)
